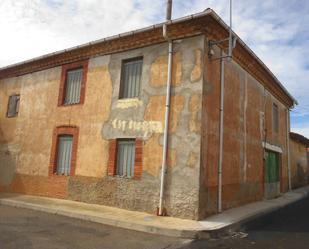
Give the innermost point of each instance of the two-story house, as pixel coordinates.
(87, 123)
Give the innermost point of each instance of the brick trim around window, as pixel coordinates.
(112, 161)
(58, 131)
(138, 162)
(65, 69)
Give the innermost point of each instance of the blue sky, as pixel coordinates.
(276, 30)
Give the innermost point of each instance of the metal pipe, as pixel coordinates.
(221, 131)
(167, 106)
(288, 146)
(221, 136)
(230, 35)
(169, 10)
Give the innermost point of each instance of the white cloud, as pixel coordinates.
(36, 27)
(274, 29)
(302, 128)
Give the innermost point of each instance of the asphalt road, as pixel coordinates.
(27, 229)
(285, 229)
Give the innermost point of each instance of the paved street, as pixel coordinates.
(286, 229)
(25, 229)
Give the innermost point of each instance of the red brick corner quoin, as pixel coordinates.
(63, 130)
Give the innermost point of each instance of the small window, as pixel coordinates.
(64, 154)
(73, 86)
(275, 118)
(125, 157)
(131, 74)
(13, 106)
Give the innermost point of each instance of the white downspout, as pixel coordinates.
(221, 135)
(288, 146)
(221, 132)
(167, 105)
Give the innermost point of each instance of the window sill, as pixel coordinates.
(125, 178)
(15, 116)
(66, 105)
(57, 175)
(129, 102)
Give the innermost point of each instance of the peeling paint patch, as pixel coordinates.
(147, 127)
(128, 103)
(197, 70)
(158, 71)
(192, 160)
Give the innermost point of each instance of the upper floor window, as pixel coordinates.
(73, 86)
(13, 106)
(275, 118)
(131, 74)
(73, 81)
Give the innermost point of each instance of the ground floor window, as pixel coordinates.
(64, 151)
(125, 158)
(64, 154)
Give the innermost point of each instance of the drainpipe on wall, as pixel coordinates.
(232, 44)
(167, 105)
(221, 134)
(288, 146)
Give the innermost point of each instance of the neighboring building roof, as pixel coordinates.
(299, 138)
(206, 22)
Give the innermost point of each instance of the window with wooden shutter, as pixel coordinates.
(131, 74)
(13, 106)
(275, 118)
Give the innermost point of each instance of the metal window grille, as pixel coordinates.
(64, 154)
(13, 106)
(275, 118)
(73, 86)
(125, 158)
(131, 78)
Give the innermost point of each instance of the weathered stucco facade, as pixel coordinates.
(299, 160)
(26, 139)
(247, 124)
(193, 143)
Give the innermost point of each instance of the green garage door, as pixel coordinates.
(272, 167)
(272, 173)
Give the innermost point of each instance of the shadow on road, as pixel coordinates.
(287, 228)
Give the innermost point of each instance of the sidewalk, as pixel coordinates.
(226, 221)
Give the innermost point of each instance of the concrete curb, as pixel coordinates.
(181, 233)
(230, 225)
(241, 224)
